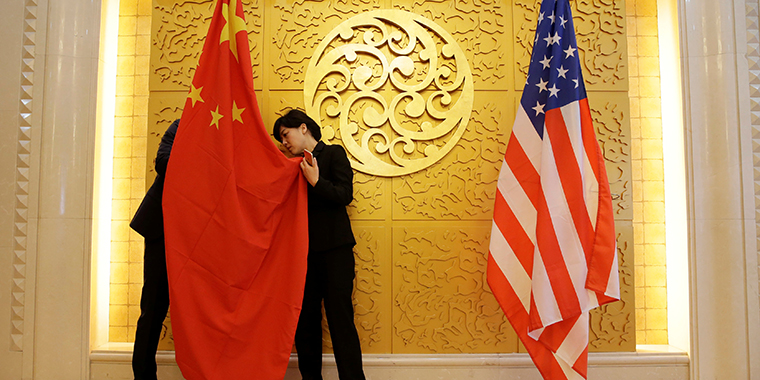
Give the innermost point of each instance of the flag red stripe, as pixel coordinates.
(581, 365)
(501, 288)
(553, 156)
(517, 238)
(589, 139)
(570, 176)
(556, 268)
(523, 169)
(600, 263)
(554, 335)
(544, 359)
(562, 285)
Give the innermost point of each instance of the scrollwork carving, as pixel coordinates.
(480, 28)
(300, 29)
(441, 303)
(609, 110)
(396, 86)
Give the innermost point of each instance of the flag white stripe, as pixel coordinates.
(592, 300)
(528, 138)
(571, 113)
(572, 116)
(543, 295)
(571, 250)
(576, 340)
(591, 191)
(613, 283)
(564, 227)
(508, 263)
(568, 370)
(518, 201)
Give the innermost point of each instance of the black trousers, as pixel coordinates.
(329, 277)
(154, 303)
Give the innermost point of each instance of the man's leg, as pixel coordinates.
(154, 303)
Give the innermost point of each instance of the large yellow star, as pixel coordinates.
(232, 26)
(216, 117)
(237, 113)
(195, 94)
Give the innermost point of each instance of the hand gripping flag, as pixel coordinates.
(553, 253)
(235, 221)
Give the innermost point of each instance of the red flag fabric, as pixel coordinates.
(553, 253)
(235, 221)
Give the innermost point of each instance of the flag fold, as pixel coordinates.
(553, 253)
(234, 219)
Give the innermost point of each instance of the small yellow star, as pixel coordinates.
(216, 117)
(232, 26)
(237, 113)
(195, 94)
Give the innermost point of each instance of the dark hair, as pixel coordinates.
(293, 119)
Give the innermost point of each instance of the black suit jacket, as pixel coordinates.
(149, 218)
(329, 225)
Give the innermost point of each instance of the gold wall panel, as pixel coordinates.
(372, 289)
(297, 27)
(462, 186)
(609, 110)
(179, 31)
(600, 32)
(481, 28)
(441, 301)
(613, 325)
(163, 109)
(423, 237)
(371, 197)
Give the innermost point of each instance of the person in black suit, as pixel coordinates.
(330, 264)
(154, 301)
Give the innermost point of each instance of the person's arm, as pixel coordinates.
(340, 189)
(165, 148)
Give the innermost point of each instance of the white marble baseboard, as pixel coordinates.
(113, 364)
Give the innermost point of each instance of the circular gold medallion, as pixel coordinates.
(393, 88)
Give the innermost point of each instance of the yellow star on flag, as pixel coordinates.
(237, 112)
(216, 117)
(233, 25)
(195, 94)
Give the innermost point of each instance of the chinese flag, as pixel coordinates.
(235, 221)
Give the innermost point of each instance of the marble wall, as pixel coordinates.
(12, 254)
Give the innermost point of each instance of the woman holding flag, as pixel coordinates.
(330, 269)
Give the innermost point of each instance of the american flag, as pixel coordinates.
(553, 252)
